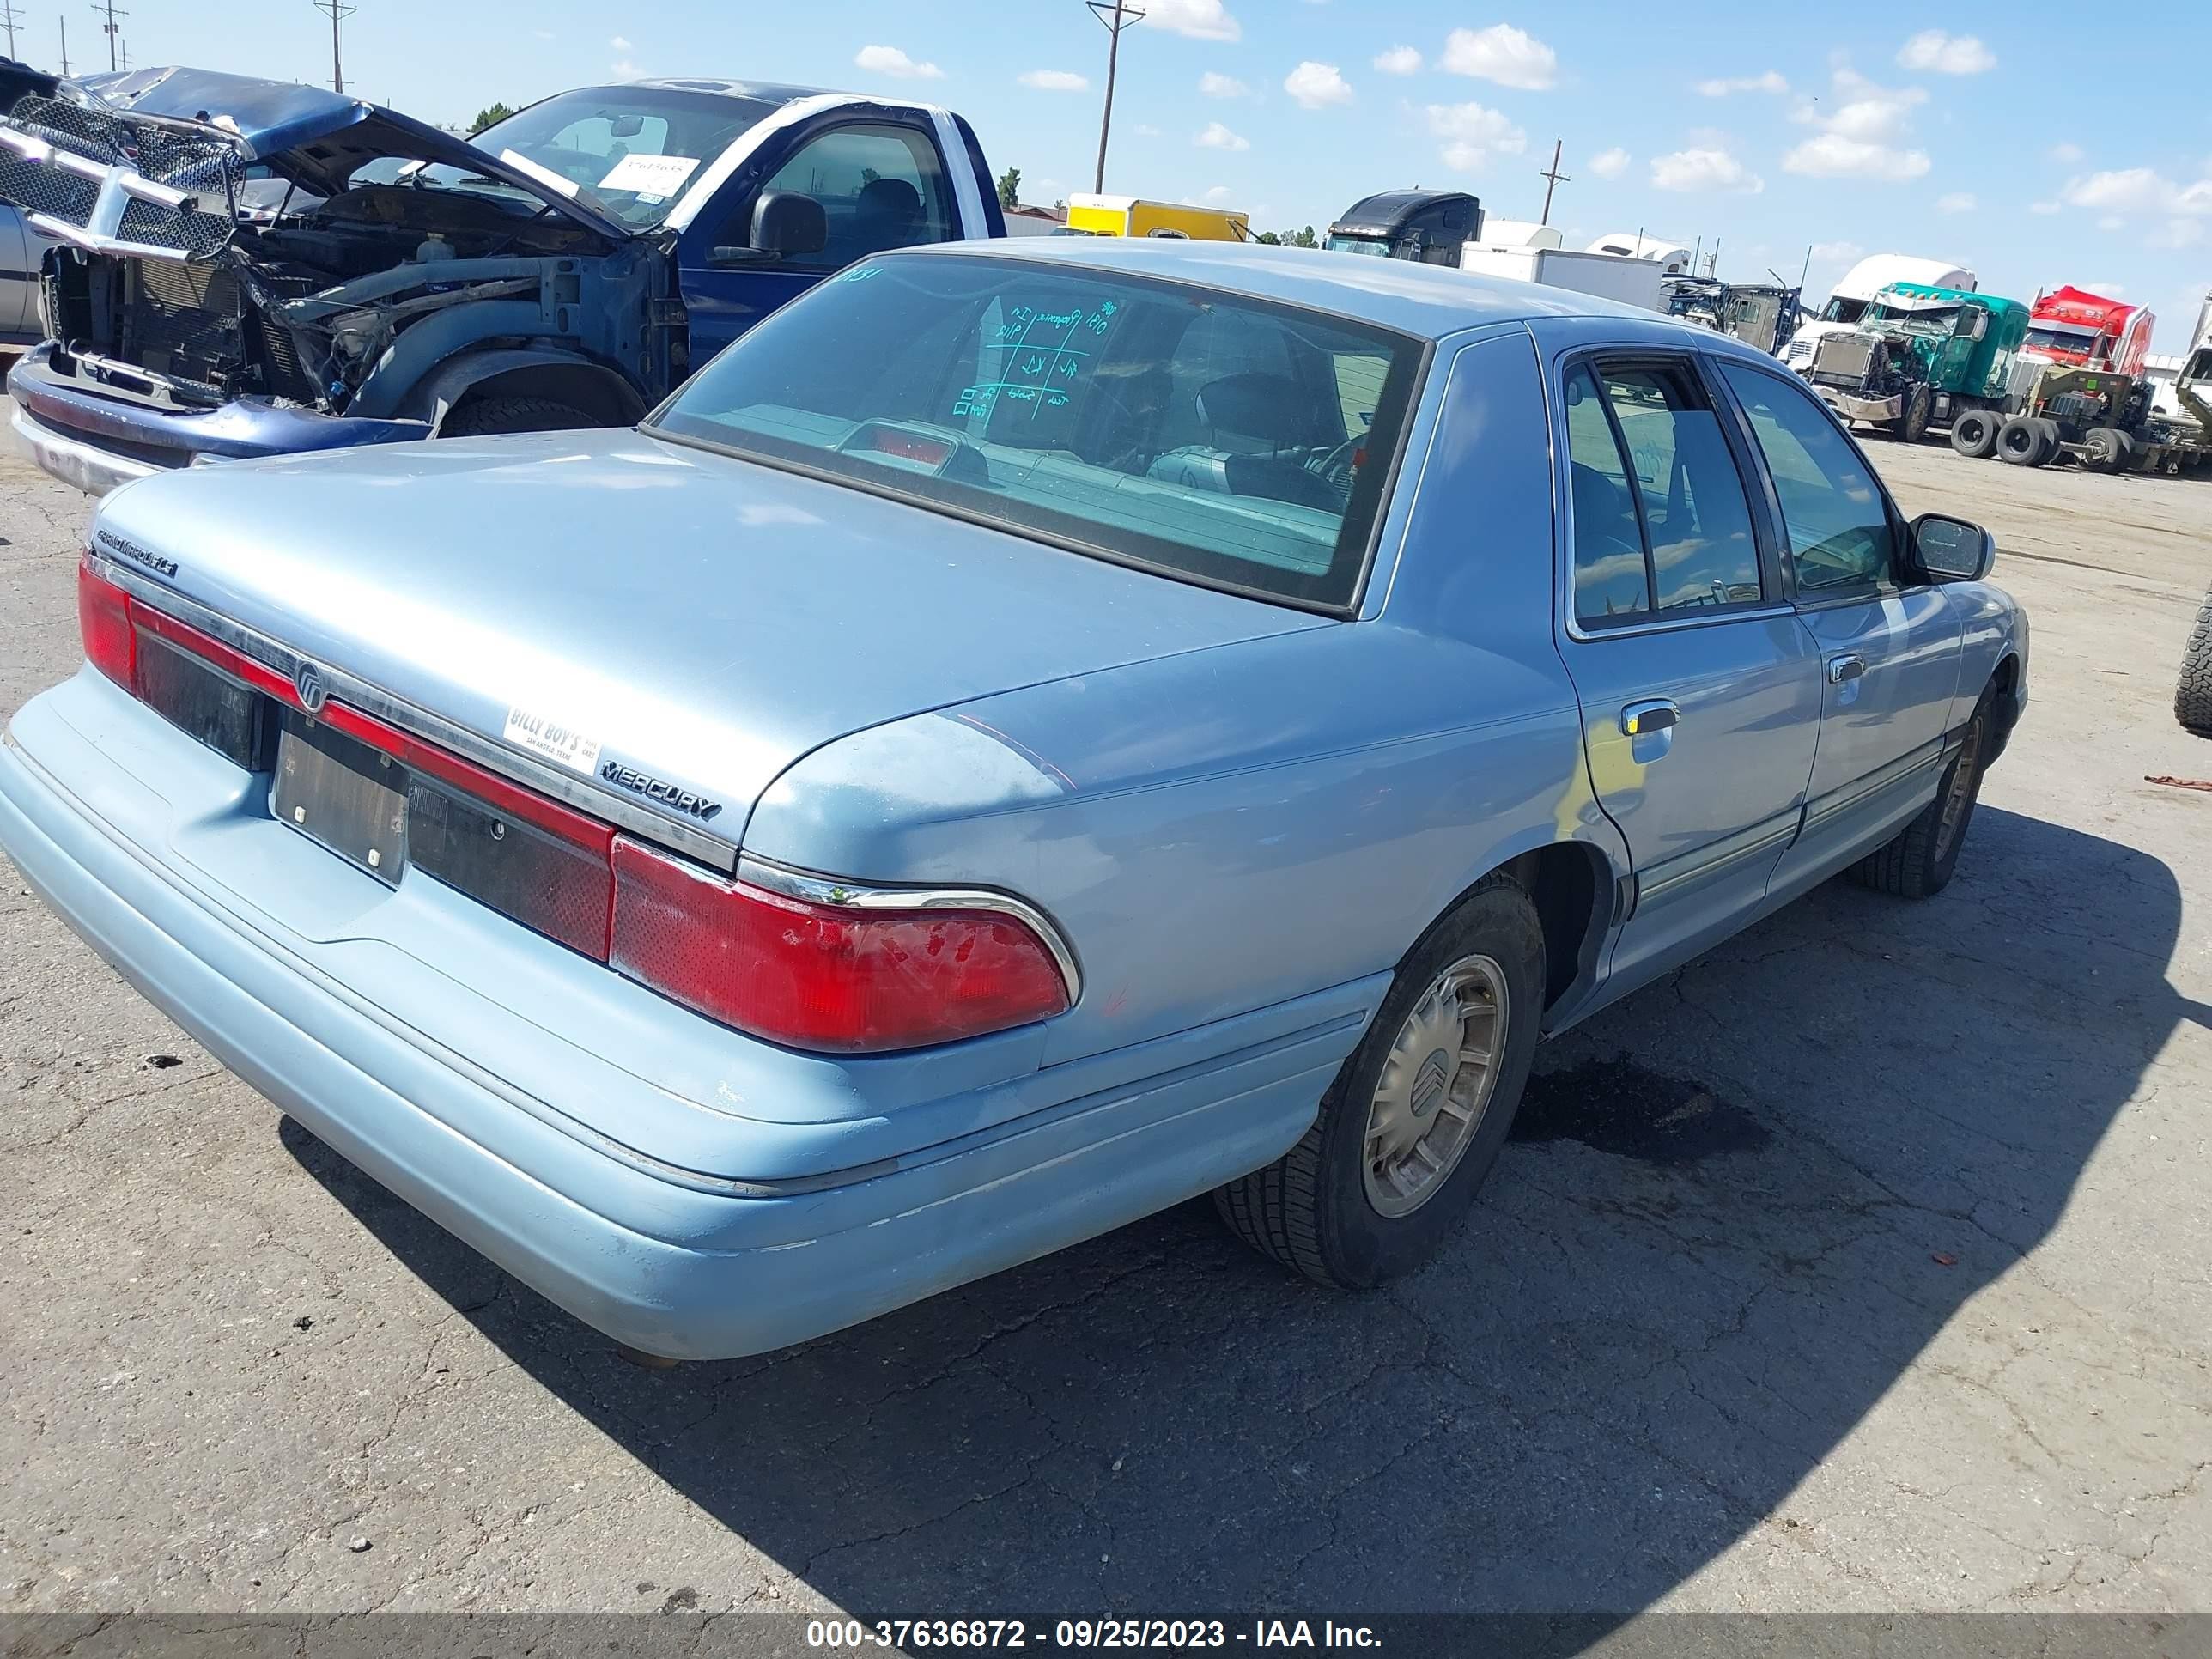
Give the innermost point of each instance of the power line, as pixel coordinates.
(1116, 16)
(111, 29)
(337, 12)
(9, 19)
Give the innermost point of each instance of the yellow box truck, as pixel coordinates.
(1132, 215)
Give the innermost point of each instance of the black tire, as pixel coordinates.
(2106, 449)
(2192, 695)
(2047, 450)
(1974, 434)
(1309, 1210)
(2019, 441)
(1911, 427)
(1917, 863)
(487, 416)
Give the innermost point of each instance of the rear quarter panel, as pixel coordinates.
(1228, 828)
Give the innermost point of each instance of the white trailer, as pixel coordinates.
(1631, 281)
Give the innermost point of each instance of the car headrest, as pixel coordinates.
(1271, 406)
(889, 198)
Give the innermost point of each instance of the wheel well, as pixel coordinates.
(1567, 881)
(600, 393)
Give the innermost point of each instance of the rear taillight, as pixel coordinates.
(827, 977)
(835, 978)
(103, 616)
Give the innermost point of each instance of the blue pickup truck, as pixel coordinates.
(253, 268)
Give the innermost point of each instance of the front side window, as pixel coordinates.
(1691, 525)
(1198, 433)
(880, 187)
(1838, 525)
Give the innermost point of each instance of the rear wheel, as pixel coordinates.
(2106, 449)
(1418, 1115)
(494, 414)
(2019, 441)
(2192, 697)
(2047, 431)
(1974, 434)
(1917, 861)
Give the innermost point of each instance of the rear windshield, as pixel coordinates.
(1200, 434)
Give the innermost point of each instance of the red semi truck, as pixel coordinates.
(2083, 330)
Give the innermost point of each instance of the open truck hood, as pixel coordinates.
(147, 162)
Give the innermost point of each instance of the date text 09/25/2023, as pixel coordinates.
(910, 1634)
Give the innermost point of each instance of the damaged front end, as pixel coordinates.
(272, 270)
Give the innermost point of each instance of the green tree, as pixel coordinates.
(1269, 238)
(1305, 238)
(489, 117)
(1010, 188)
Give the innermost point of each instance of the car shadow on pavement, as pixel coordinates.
(1739, 1207)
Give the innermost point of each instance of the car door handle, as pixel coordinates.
(1640, 720)
(1844, 670)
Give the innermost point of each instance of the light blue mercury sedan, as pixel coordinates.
(1030, 734)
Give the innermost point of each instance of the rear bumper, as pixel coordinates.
(654, 1255)
(96, 441)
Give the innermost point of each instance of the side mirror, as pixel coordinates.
(785, 224)
(1952, 551)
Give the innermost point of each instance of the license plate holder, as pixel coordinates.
(342, 795)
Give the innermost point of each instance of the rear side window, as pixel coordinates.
(1652, 472)
(1837, 523)
(1194, 431)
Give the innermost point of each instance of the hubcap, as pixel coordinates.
(1435, 1085)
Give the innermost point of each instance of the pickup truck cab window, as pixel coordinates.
(880, 187)
(1841, 535)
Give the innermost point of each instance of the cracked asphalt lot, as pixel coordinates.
(1861, 1266)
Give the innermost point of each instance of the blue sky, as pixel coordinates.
(1773, 128)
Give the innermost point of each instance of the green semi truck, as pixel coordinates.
(1921, 357)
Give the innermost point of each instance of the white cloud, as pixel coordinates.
(2176, 234)
(623, 70)
(1472, 133)
(2065, 152)
(1722, 87)
(1703, 169)
(2045, 207)
(1398, 60)
(2107, 288)
(1055, 80)
(1316, 86)
(2111, 221)
(1959, 201)
(1610, 163)
(2139, 190)
(620, 45)
(1503, 54)
(1145, 129)
(1218, 194)
(1217, 137)
(1222, 85)
(1832, 156)
(1201, 20)
(1862, 132)
(1945, 54)
(891, 60)
(1836, 253)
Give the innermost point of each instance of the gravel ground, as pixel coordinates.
(1861, 1266)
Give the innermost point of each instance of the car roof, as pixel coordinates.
(1427, 300)
(760, 92)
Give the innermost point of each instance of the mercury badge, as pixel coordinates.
(307, 681)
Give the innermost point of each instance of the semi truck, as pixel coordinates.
(1920, 356)
(1757, 313)
(1850, 298)
(1448, 228)
(2083, 330)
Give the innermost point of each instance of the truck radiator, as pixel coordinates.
(1843, 359)
(183, 321)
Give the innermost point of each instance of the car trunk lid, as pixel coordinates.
(633, 613)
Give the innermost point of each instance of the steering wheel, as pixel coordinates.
(1334, 468)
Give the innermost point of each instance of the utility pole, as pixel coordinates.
(64, 23)
(1116, 16)
(1554, 178)
(337, 12)
(111, 29)
(9, 19)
